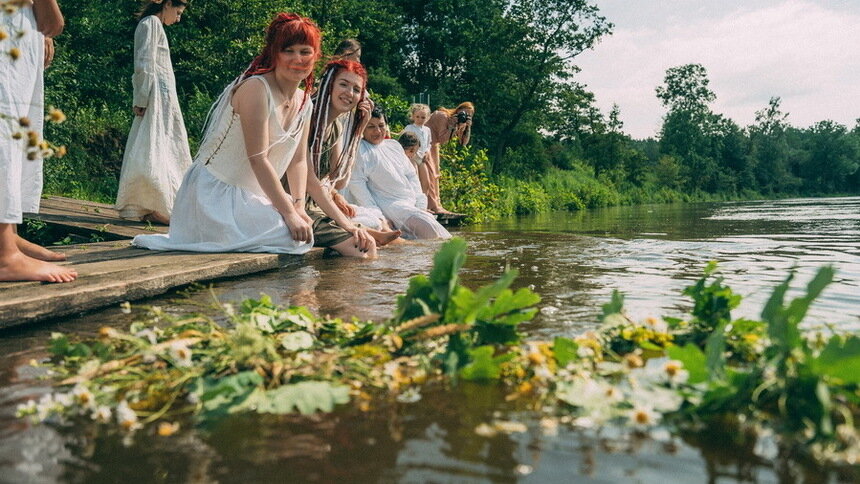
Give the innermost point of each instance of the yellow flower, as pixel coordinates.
(61, 152)
(3, 34)
(24, 121)
(166, 429)
(14, 53)
(56, 115)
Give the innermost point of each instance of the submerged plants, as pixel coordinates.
(761, 377)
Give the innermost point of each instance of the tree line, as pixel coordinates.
(515, 59)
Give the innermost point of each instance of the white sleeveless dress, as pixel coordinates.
(220, 206)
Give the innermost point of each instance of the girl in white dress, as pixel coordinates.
(29, 28)
(341, 111)
(231, 200)
(156, 153)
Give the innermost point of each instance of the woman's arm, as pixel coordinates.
(49, 19)
(250, 101)
(143, 80)
(297, 173)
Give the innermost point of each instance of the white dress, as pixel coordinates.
(21, 95)
(384, 178)
(220, 206)
(156, 153)
(424, 138)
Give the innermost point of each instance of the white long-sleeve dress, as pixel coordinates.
(384, 178)
(221, 206)
(156, 153)
(21, 95)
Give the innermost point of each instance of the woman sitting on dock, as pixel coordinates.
(384, 178)
(231, 199)
(341, 112)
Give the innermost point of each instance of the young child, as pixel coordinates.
(156, 154)
(418, 114)
(410, 144)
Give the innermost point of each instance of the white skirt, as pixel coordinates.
(212, 216)
(21, 95)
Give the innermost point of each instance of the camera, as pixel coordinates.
(462, 117)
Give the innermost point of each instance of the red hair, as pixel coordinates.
(349, 66)
(286, 29)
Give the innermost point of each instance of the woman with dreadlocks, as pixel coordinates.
(334, 137)
(231, 200)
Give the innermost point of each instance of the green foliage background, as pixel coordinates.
(539, 141)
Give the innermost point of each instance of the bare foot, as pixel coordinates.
(19, 267)
(384, 238)
(156, 217)
(37, 251)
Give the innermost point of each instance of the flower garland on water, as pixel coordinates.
(660, 373)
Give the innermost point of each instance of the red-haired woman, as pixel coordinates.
(341, 111)
(156, 153)
(231, 199)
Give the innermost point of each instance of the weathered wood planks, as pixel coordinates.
(99, 217)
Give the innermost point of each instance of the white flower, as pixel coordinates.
(102, 414)
(542, 373)
(149, 358)
(180, 353)
(147, 334)
(642, 417)
(125, 307)
(411, 395)
(229, 309)
(83, 396)
(675, 372)
(126, 417)
(584, 352)
(63, 399)
(657, 324)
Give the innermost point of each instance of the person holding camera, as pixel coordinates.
(445, 124)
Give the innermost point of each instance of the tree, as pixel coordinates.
(509, 57)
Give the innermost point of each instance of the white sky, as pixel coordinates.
(805, 51)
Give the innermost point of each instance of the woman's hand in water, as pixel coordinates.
(300, 227)
(343, 205)
(363, 240)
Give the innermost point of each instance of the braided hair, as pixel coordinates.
(320, 121)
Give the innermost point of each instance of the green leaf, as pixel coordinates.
(483, 365)
(715, 349)
(564, 350)
(446, 266)
(219, 394)
(840, 359)
(306, 397)
(692, 358)
(615, 305)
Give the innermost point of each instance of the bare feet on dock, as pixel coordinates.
(156, 217)
(384, 238)
(37, 251)
(20, 267)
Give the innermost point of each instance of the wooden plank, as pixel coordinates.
(93, 216)
(114, 280)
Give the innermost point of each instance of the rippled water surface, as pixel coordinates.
(573, 260)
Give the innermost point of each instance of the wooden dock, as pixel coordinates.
(112, 272)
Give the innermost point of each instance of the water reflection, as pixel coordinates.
(573, 260)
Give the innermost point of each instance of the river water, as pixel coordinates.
(573, 260)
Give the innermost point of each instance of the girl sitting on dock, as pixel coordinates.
(341, 111)
(156, 154)
(231, 199)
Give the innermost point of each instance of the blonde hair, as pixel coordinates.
(418, 107)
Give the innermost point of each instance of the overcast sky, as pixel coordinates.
(805, 51)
